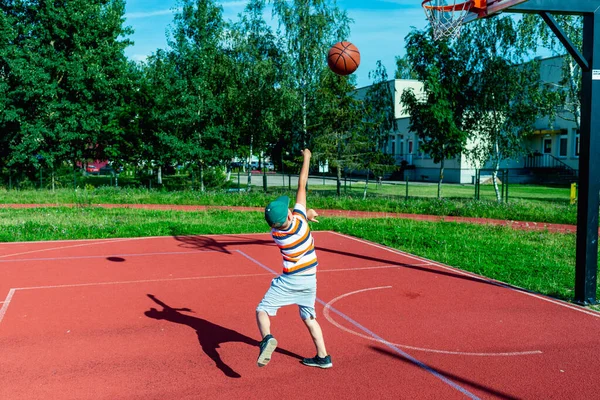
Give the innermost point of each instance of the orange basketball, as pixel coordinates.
(343, 58)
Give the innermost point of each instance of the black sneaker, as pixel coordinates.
(267, 347)
(316, 361)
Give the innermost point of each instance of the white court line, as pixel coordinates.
(327, 315)
(63, 247)
(111, 255)
(381, 340)
(271, 272)
(479, 277)
(138, 238)
(6, 303)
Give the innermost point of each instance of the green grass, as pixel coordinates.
(540, 208)
(538, 261)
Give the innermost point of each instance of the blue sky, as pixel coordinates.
(378, 31)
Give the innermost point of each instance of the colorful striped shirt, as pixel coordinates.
(297, 245)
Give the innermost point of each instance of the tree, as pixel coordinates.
(159, 140)
(438, 114)
(198, 112)
(66, 77)
(340, 116)
(404, 69)
(311, 27)
(507, 97)
(259, 101)
(534, 32)
(377, 123)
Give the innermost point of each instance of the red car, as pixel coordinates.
(92, 169)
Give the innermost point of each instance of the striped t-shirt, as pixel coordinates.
(297, 245)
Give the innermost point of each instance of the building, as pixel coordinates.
(551, 154)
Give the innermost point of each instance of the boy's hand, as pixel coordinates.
(306, 153)
(312, 215)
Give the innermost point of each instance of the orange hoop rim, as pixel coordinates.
(464, 6)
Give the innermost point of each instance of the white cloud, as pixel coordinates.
(138, 57)
(233, 4)
(149, 14)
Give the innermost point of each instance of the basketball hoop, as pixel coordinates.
(447, 16)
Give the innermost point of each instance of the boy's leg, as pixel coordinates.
(264, 323)
(268, 344)
(317, 335)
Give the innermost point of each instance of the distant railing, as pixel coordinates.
(547, 161)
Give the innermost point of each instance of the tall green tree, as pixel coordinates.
(438, 114)
(404, 69)
(159, 142)
(535, 33)
(378, 122)
(259, 100)
(508, 95)
(203, 77)
(310, 28)
(66, 79)
(340, 115)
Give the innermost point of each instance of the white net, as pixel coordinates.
(446, 17)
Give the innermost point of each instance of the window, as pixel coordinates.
(393, 147)
(576, 150)
(410, 147)
(547, 146)
(562, 146)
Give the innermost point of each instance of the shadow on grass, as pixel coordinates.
(210, 335)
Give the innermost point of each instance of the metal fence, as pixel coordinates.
(408, 183)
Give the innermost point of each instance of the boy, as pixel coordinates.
(298, 283)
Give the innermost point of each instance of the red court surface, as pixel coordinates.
(173, 318)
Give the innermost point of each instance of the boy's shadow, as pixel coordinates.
(210, 335)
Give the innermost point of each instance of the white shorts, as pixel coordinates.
(291, 289)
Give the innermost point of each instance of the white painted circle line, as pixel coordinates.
(327, 315)
(6, 303)
(479, 277)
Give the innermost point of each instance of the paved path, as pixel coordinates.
(522, 225)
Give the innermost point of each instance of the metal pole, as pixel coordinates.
(507, 186)
(477, 184)
(586, 257)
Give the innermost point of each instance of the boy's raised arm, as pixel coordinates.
(303, 178)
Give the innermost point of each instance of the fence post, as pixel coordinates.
(477, 183)
(502, 190)
(290, 181)
(406, 180)
(264, 180)
(506, 186)
(239, 181)
(475, 195)
(9, 180)
(345, 182)
(193, 183)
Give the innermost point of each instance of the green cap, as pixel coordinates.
(276, 212)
